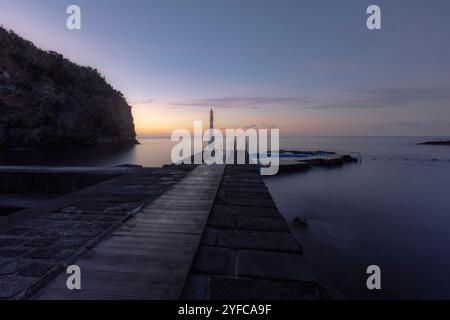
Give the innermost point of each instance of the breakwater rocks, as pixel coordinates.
(331, 161)
(48, 100)
(295, 161)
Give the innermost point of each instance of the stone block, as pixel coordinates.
(262, 223)
(73, 242)
(273, 265)
(42, 253)
(19, 231)
(213, 260)
(196, 287)
(84, 218)
(35, 270)
(222, 221)
(42, 242)
(245, 211)
(209, 237)
(12, 252)
(261, 240)
(12, 266)
(11, 242)
(12, 285)
(246, 202)
(65, 254)
(222, 288)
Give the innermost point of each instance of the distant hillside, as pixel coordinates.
(46, 99)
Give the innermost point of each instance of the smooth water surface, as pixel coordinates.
(392, 210)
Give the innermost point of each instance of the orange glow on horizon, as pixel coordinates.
(161, 120)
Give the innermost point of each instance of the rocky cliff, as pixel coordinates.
(47, 100)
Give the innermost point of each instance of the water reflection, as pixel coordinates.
(151, 153)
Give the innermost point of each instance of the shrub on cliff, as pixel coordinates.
(46, 99)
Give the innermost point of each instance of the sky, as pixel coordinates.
(309, 68)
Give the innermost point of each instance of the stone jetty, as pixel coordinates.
(247, 251)
(177, 232)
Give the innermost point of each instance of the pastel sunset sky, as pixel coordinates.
(306, 67)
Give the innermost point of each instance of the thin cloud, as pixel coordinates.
(394, 97)
(144, 101)
(379, 126)
(245, 102)
(269, 126)
(419, 125)
(261, 126)
(386, 98)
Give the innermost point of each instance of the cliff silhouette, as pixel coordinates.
(46, 99)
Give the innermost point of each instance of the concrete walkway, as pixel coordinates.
(35, 243)
(248, 251)
(149, 257)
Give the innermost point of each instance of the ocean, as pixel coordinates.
(390, 210)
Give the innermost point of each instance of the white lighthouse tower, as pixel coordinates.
(211, 125)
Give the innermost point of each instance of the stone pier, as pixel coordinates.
(247, 251)
(179, 232)
(149, 256)
(37, 243)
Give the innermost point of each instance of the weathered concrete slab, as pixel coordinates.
(211, 234)
(273, 265)
(245, 211)
(262, 224)
(196, 287)
(36, 242)
(24, 200)
(159, 244)
(247, 251)
(225, 288)
(249, 239)
(214, 260)
(55, 180)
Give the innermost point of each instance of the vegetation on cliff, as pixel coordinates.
(46, 99)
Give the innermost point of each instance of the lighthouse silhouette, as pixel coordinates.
(211, 126)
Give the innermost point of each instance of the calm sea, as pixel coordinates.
(392, 210)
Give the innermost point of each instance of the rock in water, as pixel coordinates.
(301, 222)
(46, 99)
